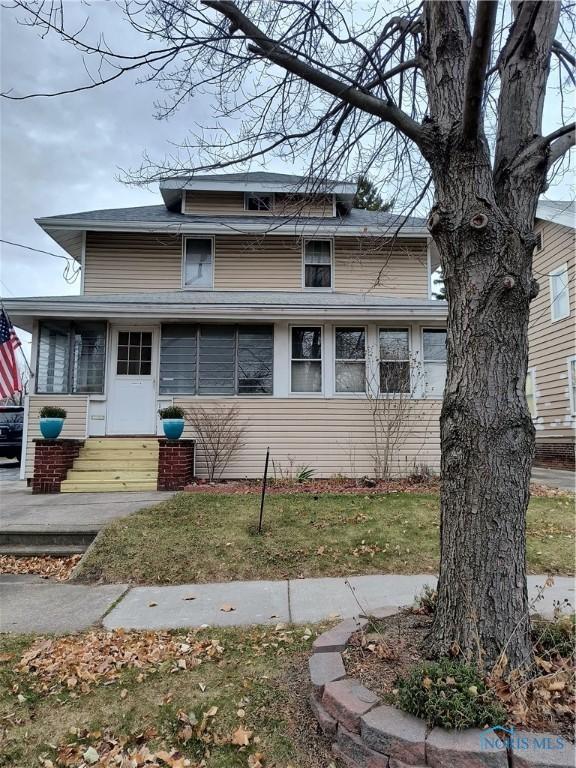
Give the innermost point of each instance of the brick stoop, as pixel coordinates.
(175, 464)
(52, 460)
(367, 734)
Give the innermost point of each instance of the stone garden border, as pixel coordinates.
(368, 734)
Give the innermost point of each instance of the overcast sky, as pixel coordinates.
(62, 155)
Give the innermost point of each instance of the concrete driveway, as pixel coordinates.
(22, 511)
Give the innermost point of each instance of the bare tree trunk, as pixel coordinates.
(487, 433)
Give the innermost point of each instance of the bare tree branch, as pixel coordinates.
(270, 49)
(478, 61)
(563, 144)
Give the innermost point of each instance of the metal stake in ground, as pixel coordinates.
(263, 491)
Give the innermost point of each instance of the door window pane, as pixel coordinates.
(135, 357)
(306, 360)
(394, 360)
(318, 264)
(350, 371)
(198, 262)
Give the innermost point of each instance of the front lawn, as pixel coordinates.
(202, 537)
(214, 698)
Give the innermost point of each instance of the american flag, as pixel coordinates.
(9, 374)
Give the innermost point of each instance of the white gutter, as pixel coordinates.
(339, 188)
(221, 227)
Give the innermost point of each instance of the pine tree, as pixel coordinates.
(368, 197)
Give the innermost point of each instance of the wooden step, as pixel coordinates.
(121, 473)
(120, 442)
(100, 486)
(117, 455)
(96, 464)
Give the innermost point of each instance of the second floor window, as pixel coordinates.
(198, 262)
(559, 297)
(318, 264)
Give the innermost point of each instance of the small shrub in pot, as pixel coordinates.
(51, 421)
(172, 421)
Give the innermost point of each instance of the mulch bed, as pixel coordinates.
(380, 654)
(58, 568)
(341, 485)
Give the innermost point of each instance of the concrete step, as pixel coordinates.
(122, 473)
(96, 464)
(102, 486)
(37, 550)
(41, 537)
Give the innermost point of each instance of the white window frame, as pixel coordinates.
(303, 269)
(571, 362)
(300, 360)
(425, 362)
(531, 373)
(342, 360)
(248, 195)
(562, 269)
(183, 267)
(408, 328)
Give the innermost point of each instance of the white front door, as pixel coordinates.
(132, 383)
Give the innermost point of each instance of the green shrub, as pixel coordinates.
(52, 412)
(172, 412)
(449, 694)
(426, 601)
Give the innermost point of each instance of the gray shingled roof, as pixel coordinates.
(255, 177)
(159, 214)
(240, 298)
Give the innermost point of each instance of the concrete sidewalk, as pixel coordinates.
(563, 479)
(28, 605)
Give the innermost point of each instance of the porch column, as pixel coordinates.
(175, 464)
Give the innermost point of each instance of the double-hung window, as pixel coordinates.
(559, 296)
(71, 357)
(306, 361)
(198, 262)
(434, 361)
(350, 360)
(394, 360)
(216, 359)
(317, 264)
(572, 384)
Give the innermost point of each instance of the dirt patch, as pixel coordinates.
(57, 568)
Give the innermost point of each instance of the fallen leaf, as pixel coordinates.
(152, 605)
(123, 693)
(91, 756)
(241, 737)
(226, 608)
(191, 597)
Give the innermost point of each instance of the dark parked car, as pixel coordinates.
(11, 426)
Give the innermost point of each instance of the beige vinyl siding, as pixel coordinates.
(74, 424)
(232, 203)
(123, 262)
(381, 267)
(330, 435)
(552, 343)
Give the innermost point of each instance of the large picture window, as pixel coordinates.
(350, 360)
(71, 357)
(306, 360)
(394, 360)
(216, 359)
(198, 262)
(434, 359)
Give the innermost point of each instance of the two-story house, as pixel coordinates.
(249, 288)
(551, 381)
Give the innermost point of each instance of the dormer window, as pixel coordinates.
(258, 201)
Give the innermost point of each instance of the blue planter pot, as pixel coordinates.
(173, 428)
(51, 428)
